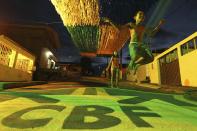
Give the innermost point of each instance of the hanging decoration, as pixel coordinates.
(78, 12)
(81, 17)
(111, 39)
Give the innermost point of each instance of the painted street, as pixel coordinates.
(81, 106)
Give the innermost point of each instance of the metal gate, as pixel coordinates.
(170, 70)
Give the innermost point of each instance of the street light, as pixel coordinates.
(48, 54)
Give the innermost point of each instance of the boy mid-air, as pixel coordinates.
(139, 51)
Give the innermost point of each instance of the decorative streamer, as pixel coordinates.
(81, 17)
(78, 12)
(112, 39)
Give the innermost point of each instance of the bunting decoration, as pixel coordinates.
(111, 39)
(82, 20)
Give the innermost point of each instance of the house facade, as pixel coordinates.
(16, 63)
(40, 40)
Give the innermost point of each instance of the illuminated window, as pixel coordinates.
(30, 67)
(24, 63)
(7, 55)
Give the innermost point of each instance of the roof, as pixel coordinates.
(51, 32)
(16, 46)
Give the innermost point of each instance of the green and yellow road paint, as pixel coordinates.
(96, 108)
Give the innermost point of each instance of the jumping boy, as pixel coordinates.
(139, 51)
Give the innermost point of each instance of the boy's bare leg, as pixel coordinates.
(140, 59)
(112, 78)
(117, 77)
(135, 68)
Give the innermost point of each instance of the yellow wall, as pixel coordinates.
(188, 69)
(11, 74)
(153, 72)
(187, 63)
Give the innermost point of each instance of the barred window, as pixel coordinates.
(24, 63)
(7, 55)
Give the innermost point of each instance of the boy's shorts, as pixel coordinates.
(141, 50)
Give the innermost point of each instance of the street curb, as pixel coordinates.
(22, 84)
(191, 95)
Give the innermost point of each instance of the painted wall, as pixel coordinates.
(153, 72)
(188, 69)
(11, 74)
(187, 63)
(15, 71)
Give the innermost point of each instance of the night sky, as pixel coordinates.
(180, 17)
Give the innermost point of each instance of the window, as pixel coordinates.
(188, 47)
(170, 57)
(24, 63)
(184, 49)
(195, 42)
(191, 46)
(162, 60)
(174, 55)
(7, 55)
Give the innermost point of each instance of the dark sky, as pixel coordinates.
(180, 17)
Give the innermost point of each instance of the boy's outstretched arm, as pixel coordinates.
(152, 32)
(130, 25)
(105, 20)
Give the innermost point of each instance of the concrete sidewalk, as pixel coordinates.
(143, 86)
